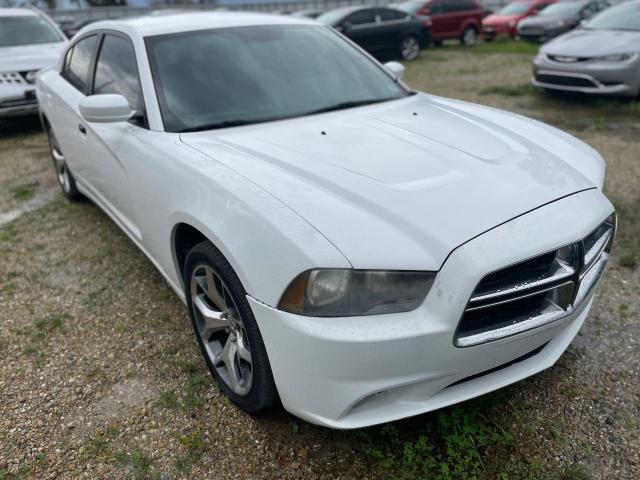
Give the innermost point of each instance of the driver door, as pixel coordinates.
(112, 144)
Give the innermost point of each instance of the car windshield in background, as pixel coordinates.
(26, 30)
(236, 76)
(410, 7)
(621, 17)
(563, 8)
(514, 9)
(332, 17)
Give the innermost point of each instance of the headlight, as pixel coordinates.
(511, 23)
(31, 76)
(559, 24)
(347, 292)
(621, 57)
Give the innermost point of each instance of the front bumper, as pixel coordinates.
(491, 32)
(540, 35)
(359, 371)
(588, 77)
(18, 100)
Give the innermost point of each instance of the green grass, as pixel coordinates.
(509, 91)
(194, 449)
(24, 192)
(504, 46)
(449, 444)
(138, 461)
(627, 246)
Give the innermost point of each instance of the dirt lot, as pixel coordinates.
(101, 376)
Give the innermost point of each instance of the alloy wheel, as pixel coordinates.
(221, 329)
(469, 37)
(409, 48)
(60, 165)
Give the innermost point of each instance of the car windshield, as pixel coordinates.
(562, 8)
(621, 17)
(515, 9)
(26, 30)
(410, 7)
(236, 76)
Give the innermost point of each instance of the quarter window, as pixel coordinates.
(80, 62)
(117, 72)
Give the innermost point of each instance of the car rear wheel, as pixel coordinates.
(226, 329)
(409, 47)
(65, 177)
(469, 36)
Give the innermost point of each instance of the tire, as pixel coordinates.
(409, 47)
(229, 340)
(469, 36)
(63, 173)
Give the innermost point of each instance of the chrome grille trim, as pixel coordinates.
(548, 294)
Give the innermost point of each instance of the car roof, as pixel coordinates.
(185, 22)
(17, 12)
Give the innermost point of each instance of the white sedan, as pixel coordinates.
(358, 250)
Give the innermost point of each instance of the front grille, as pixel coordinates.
(22, 102)
(565, 59)
(12, 78)
(565, 80)
(536, 291)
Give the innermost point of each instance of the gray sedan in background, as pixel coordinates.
(603, 56)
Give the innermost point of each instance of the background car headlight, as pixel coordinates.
(511, 23)
(347, 292)
(621, 57)
(31, 76)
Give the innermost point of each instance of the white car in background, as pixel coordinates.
(361, 251)
(29, 42)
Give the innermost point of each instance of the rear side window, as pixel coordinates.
(388, 15)
(361, 17)
(117, 71)
(79, 63)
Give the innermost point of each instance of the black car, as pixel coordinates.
(559, 18)
(381, 30)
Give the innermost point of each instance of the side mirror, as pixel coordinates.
(107, 108)
(396, 68)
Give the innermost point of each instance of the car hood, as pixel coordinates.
(546, 22)
(30, 57)
(400, 184)
(594, 43)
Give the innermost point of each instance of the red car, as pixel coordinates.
(505, 21)
(451, 19)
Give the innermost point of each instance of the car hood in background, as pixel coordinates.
(400, 184)
(546, 22)
(594, 43)
(30, 57)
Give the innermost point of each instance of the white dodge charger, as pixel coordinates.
(359, 250)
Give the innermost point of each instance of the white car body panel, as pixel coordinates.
(422, 183)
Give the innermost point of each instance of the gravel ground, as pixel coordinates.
(102, 377)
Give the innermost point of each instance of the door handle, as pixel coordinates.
(83, 129)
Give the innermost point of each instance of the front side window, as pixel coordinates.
(388, 15)
(117, 71)
(360, 18)
(26, 30)
(78, 72)
(235, 76)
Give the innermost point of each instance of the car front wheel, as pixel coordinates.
(226, 329)
(409, 47)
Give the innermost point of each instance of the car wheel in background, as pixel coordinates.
(226, 329)
(409, 47)
(469, 36)
(64, 175)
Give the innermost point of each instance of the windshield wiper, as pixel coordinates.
(213, 126)
(344, 105)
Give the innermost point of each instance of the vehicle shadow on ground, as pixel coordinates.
(19, 125)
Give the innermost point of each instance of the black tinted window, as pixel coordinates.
(78, 72)
(117, 72)
(361, 17)
(388, 15)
